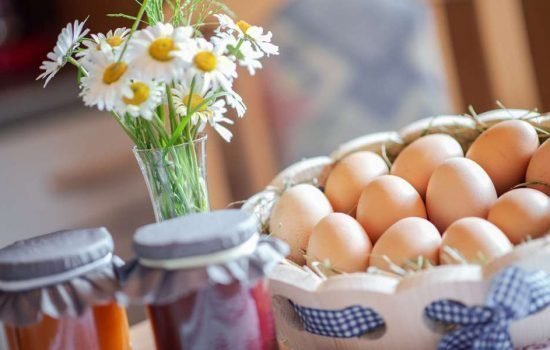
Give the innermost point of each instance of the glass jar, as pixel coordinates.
(57, 293)
(203, 279)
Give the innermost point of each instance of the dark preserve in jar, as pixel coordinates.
(203, 279)
(57, 293)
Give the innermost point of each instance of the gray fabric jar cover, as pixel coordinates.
(57, 274)
(182, 255)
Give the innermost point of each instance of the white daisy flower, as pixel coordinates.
(202, 90)
(211, 113)
(215, 69)
(260, 40)
(226, 23)
(230, 26)
(67, 41)
(236, 102)
(108, 79)
(250, 58)
(112, 41)
(145, 96)
(216, 119)
(185, 99)
(161, 52)
(245, 30)
(243, 53)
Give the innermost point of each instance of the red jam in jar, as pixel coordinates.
(203, 279)
(217, 317)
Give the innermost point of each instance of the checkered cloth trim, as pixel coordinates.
(540, 291)
(514, 294)
(353, 321)
(453, 312)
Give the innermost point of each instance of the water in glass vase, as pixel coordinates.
(176, 178)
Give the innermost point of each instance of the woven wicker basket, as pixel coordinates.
(400, 302)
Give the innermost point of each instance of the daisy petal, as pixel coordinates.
(67, 41)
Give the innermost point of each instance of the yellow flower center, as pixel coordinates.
(160, 49)
(114, 41)
(205, 61)
(243, 25)
(141, 94)
(113, 72)
(193, 101)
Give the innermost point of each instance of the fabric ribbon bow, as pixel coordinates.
(514, 294)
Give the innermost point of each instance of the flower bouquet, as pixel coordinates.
(163, 84)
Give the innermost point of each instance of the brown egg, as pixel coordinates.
(348, 178)
(539, 168)
(522, 213)
(417, 161)
(295, 214)
(340, 239)
(386, 200)
(405, 241)
(458, 188)
(504, 151)
(476, 240)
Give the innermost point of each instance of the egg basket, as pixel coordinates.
(368, 311)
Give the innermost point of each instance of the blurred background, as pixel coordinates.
(346, 68)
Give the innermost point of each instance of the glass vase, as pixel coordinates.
(176, 178)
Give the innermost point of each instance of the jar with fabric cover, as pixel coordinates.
(203, 279)
(57, 292)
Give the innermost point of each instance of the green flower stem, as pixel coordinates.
(175, 176)
(177, 133)
(160, 113)
(194, 165)
(189, 132)
(191, 92)
(134, 28)
(190, 15)
(127, 130)
(175, 181)
(159, 126)
(77, 64)
(151, 135)
(196, 129)
(180, 128)
(239, 44)
(140, 133)
(171, 110)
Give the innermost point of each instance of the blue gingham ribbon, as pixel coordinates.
(350, 322)
(514, 294)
